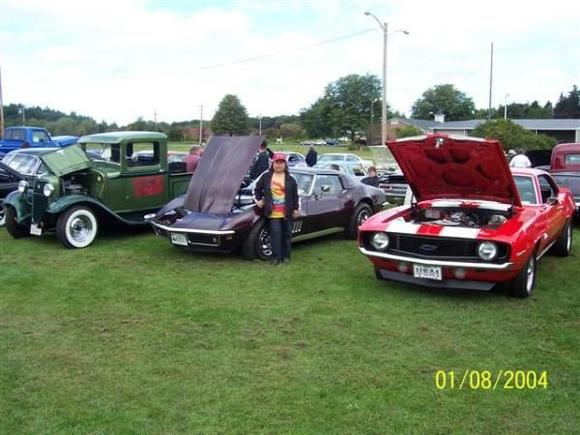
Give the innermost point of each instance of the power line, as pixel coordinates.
(224, 64)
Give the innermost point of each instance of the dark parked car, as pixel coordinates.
(18, 165)
(565, 168)
(216, 216)
(394, 185)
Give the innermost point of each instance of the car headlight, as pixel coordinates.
(22, 186)
(380, 241)
(487, 251)
(47, 189)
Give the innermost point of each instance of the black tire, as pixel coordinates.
(361, 213)
(257, 244)
(523, 285)
(15, 229)
(77, 227)
(563, 245)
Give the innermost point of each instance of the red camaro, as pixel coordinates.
(474, 224)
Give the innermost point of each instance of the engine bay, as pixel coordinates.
(472, 217)
(75, 184)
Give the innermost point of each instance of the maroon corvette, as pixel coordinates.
(474, 224)
(215, 215)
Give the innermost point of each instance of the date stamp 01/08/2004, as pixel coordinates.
(491, 380)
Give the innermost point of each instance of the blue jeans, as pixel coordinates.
(281, 237)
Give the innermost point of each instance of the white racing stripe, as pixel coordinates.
(402, 227)
(461, 233)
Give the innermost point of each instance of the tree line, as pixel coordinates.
(349, 106)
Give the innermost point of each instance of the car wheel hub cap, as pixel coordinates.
(81, 229)
(530, 273)
(568, 237)
(2, 216)
(265, 242)
(363, 216)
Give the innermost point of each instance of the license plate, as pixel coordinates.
(35, 230)
(429, 272)
(178, 239)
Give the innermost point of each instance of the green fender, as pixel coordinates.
(20, 203)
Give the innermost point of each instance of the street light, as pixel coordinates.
(385, 28)
(371, 141)
(505, 106)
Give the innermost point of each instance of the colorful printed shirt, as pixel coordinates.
(278, 197)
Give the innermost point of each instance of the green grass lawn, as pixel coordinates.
(134, 336)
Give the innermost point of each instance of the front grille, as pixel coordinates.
(436, 248)
(40, 202)
(203, 239)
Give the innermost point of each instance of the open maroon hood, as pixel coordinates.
(220, 172)
(439, 166)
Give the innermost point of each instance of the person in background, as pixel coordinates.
(520, 161)
(276, 193)
(262, 162)
(372, 179)
(511, 154)
(311, 156)
(192, 158)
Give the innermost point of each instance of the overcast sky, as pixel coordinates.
(119, 60)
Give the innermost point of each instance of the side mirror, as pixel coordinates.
(552, 200)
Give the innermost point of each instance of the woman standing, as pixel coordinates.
(276, 193)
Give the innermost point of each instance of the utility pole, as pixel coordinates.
(201, 124)
(155, 117)
(1, 108)
(260, 126)
(23, 115)
(505, 106)
(490, 82)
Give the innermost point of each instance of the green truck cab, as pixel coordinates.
(106, 178)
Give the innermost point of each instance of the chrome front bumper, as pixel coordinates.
(463, 264)
(194, 231)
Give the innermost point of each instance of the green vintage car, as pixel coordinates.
(103, 179)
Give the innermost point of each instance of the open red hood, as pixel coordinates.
(440, 166)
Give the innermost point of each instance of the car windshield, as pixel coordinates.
(525, 186)
(330, 158)
(102, 152)
(304, 182)
(570, 181)
(572, 159)
(23, 163)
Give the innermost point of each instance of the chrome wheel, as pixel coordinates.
(530, 274)
(569, 237)
(265, 243)
(77, 227)
(2, 216)
(81, 229)
(362, 216)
